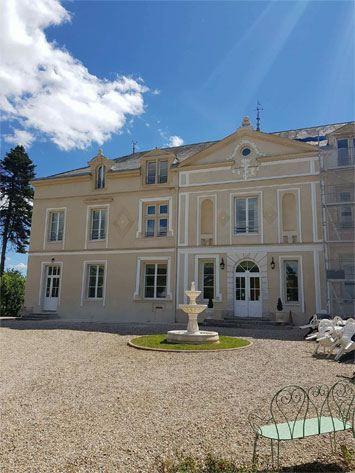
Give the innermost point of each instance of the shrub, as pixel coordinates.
(12, 291)
(279, 306)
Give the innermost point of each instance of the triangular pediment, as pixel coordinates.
(259, 145)
(100, 160)
(157, 153)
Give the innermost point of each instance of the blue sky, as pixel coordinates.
(192, 69)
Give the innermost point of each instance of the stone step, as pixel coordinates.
(40, 316)
(244, 323)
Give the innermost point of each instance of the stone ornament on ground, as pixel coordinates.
(193, 335)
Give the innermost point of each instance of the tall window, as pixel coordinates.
(98, 224)
(246, 215)
(346, 152)
(156, 220)
(208, 280)
(349, 282)
(155, 281)
(346, 211)
(96, 274)
(291, 281)
(157, 172)
(100, 177)
(56, 226)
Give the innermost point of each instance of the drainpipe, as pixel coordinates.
(175, 298)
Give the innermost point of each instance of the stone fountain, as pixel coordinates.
(193, 334)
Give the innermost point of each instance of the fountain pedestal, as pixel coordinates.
(193, 334)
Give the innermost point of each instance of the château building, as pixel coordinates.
(121, 239)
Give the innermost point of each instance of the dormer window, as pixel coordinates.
(100, 177)
(157, 172)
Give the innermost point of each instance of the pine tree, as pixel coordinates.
(16, 194)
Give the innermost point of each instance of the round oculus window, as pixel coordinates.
(246, 151)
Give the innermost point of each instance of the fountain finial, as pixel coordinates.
(193, 286)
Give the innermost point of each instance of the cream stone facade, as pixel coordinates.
(121, 240)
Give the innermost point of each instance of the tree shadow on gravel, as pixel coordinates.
(314, 467)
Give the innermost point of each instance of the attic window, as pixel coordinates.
(157, 172)
(100, 177)
(246, 151)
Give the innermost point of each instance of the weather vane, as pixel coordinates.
(258, 110)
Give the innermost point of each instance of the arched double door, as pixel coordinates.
(247, 296)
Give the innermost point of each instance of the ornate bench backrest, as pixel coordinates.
(293, 403)
(340, 403)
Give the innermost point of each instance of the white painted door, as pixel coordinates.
(51, 289)
(247, 301)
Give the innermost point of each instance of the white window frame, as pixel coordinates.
(47, 225)
(157, 172)
(247, 232)
(51, 216)
(140, 282)
(236, 195)
(154, 298)
(89, 224)
(300, 302)
(100, 177)
(97, 266)
(101, 228)
(216, 259)
(213, 262)
(140, 232)
(85, 282)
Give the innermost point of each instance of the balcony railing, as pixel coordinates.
(162, 233)
(243, 229)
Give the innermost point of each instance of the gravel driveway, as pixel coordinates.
(76, 399)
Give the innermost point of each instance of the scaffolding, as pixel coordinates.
(337, 167)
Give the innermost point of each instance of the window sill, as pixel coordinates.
(92, 299)
(246, 234)
(94, 241)
(144, 299)
(55, 241)
(142, 236)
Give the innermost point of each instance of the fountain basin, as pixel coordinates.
(197, 338)
(192, 308)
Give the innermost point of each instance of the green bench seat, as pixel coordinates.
(303, 428)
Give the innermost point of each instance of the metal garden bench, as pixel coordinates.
(297, 413)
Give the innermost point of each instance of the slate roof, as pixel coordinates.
(131, 162)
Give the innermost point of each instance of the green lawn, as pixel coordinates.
(159, 341)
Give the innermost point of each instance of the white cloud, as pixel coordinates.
(18, 266)
(147, 124)
(47, 90)
(155, 92)
(20, 137)
(175, 141)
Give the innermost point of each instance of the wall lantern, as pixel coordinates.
(53, 259)
(272, 264)
(222, 264)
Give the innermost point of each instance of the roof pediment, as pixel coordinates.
(158, 153)
(261, 145)
(99, 160)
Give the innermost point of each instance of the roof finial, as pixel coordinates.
(258, 110)
(134, 146)
(99, 153)
(246, 123)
